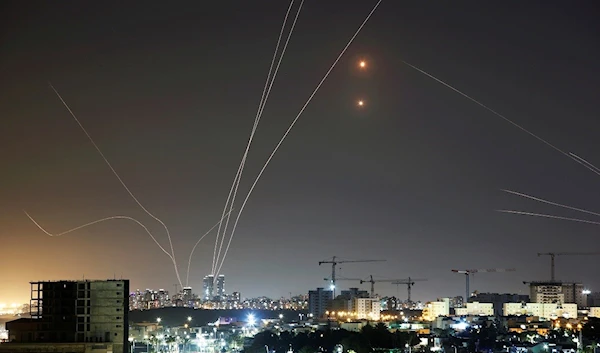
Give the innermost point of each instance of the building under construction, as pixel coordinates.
(73, 315)
(558, 292)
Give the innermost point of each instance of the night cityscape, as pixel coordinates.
(299, 176)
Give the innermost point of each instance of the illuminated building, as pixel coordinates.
(236, 297)
(367, 308)
(221, 287)
(476, 309)
(208, 287)
(186, 296)
(73, 316)
(546, 311)
(319, 301)
(434, 309)
(498, 300)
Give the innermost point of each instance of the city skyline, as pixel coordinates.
(414, 175)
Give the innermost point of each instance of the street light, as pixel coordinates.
(158, 319)
(189, 318)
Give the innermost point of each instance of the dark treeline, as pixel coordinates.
(365, 341)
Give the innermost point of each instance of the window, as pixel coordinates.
(118, 284)
(118, 327)
(118, 293)
(118, 309)
(118, 318)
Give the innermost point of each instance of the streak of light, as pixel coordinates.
(263, 101)
(99, 221)
(585, 161)
(502, 117)
(549, 216)
(187, 279)
(550, 202)
(121, 181)
(290, 129)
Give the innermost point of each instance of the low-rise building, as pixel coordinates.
(476, 309)
(546, 311)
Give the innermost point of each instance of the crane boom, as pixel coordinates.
(334, 262)
(409, 283)
(554, 254)
(468, 273)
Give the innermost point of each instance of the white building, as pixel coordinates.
(594, 312)
(367, 308)
(476, 309)
(434, 309)
(546, 311)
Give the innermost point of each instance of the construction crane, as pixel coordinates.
(373, 281)
(334, 262)
(468, 274)
(409, 283)
(554, 254)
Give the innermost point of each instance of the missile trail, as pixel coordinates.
(263, 100)
(99, 221)
(551, 202)
(120, 180)
(501, 116)
(549, 216)
(290, 128)
(187, 280)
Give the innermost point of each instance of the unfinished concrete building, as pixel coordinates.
(83, 314)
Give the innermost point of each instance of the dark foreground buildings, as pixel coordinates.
(73, 317)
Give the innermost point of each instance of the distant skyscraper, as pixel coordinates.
(221, 287)
(236, 297)
(319, 301)
(208, 287)
(186, 295)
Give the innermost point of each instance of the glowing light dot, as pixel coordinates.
(362, 64)
(361, 103)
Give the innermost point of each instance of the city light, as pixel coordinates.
(251, 320)
(361, 103)
(189, 318)
(158, 319)
(362, 64)
(586, 292)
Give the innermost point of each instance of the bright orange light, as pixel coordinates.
(361, 103)
(363, 64)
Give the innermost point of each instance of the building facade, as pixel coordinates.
(499, 299)
(367, 308)
(221, 287)
(75, 312)
(546, 311)
(476, 309)
(434, 309)
(546, 292)
(208, 287)
(319, 301)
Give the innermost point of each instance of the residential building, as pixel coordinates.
(476, 309)
(546, 292)
(499, 299)
(319, 301)
(434, 309)
(573, 293)
(546, 311)
(367, 308)
(73, 314)
(594, 312)
(456, 302)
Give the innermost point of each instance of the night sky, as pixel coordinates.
(169, 92)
